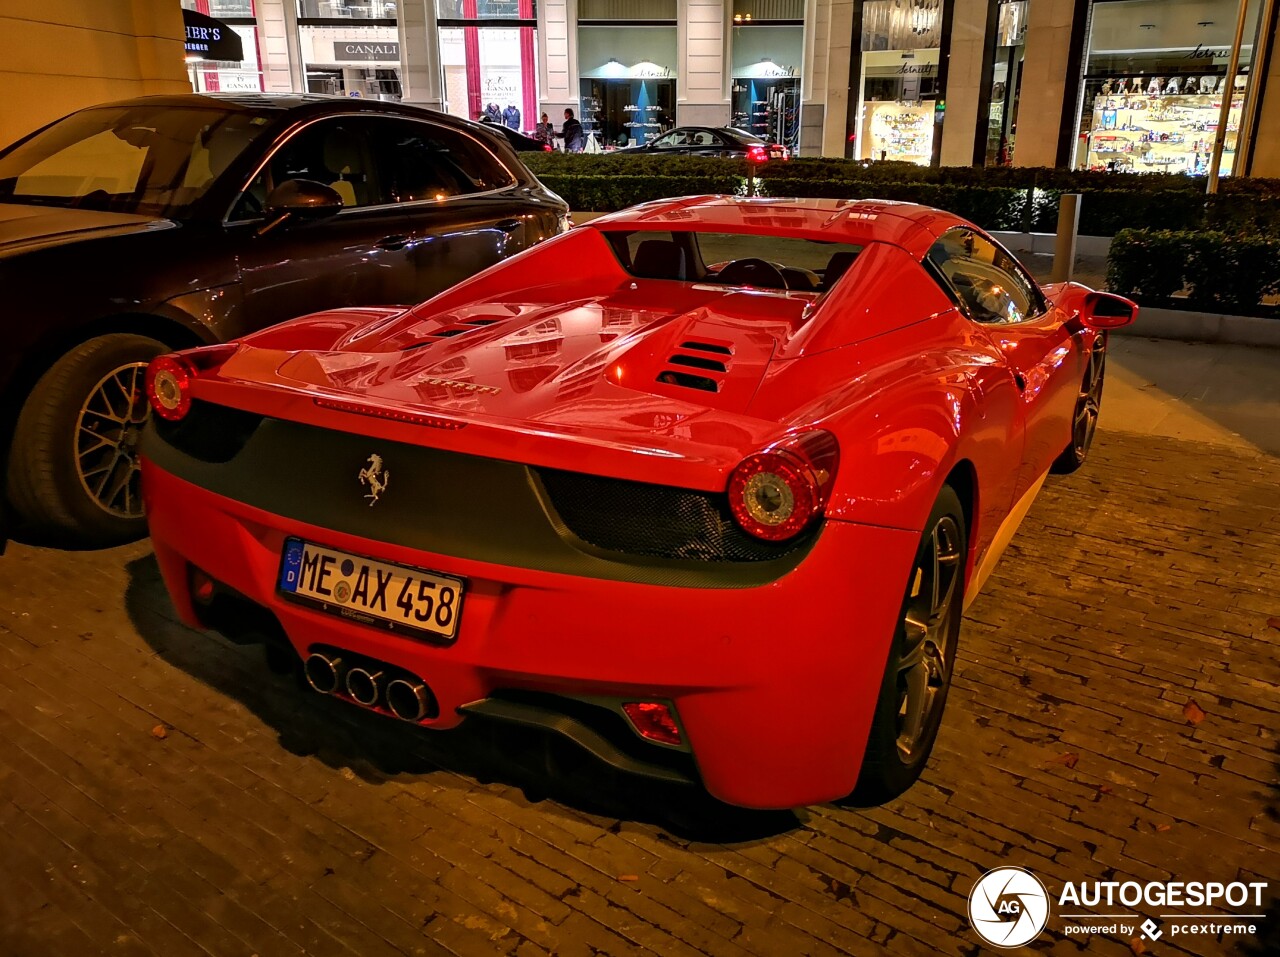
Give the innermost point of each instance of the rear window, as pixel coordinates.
(733, 259)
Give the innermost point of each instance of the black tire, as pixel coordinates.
(1084, 419)
(924, 650)
(77, 431)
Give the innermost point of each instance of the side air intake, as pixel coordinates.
(711, 359)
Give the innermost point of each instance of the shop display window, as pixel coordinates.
(1155, 83)
(488, 52)
(347, 9)
(900, 100)
(767, 58)
(215, 76)
(1006, 81)
(627, 85)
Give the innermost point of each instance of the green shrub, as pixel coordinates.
(1219, 271)
(606, 194)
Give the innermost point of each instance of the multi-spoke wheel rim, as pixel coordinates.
(925, 663)
(106, 440)
(1090, 400)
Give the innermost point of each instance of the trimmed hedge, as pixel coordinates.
(1223, 272)
(605, 194)
(993, 197)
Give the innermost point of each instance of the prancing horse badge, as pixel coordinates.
(376, 477)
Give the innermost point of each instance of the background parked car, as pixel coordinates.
(712, 141)
(133, 228)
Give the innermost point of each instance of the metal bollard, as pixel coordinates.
(1064, 248)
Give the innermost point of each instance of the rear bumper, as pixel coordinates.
(774, 685)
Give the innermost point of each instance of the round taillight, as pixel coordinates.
(168, 387)
(776, 493)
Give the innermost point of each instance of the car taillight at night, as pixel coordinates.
(776, 493)
(168, 379)
(169, 386)
(757, 154)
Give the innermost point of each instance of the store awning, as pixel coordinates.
(210, 39)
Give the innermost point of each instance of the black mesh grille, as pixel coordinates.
(642, 519)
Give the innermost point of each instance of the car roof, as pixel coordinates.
(855, 221)
(283, 103)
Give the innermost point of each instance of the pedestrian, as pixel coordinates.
(493, 114)
(544, 132)
(572, 133)
(511, 117)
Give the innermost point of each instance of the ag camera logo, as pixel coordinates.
(1008, 907)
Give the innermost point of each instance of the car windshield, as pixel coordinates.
(153, 160)
(791, 263)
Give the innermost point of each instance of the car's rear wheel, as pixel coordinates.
(1084, 422)
(921, 660)
(73, 468)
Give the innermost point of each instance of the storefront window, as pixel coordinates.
(899, 115)
(628, 85)
(1155, 78)
(347, 9)
(1006, 81)
(214, 76)
(488, 52)
(768, 50)
(361, 61)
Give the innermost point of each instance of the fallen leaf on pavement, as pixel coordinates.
(628, 877)
(1137, 946)
(1104, 788)
(1161, 828)
(1274, 622)
(1067, 760)
(1194, 713)
(159, 732)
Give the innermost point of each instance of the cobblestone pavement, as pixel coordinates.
(1114, 716)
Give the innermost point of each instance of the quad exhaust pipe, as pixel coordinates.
(324, 673)
(365, 687)
(407, 698)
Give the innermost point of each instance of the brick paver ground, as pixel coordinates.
(263, 820)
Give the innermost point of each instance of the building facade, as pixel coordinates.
(1123, 85)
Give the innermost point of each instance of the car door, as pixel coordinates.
(1030, 333)
(457, 213)
(358, 257)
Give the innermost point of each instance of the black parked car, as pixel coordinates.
(711, 141)
(133, 228)
(519, 142)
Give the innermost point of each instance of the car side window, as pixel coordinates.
(987, 281)
(336, 152)
(424, 161)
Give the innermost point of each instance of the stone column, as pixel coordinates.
(839, 53)
(557, 58)
(701, 97)
(282, 67)
(420, 76)
(1044, 82)
(964, 81)
(813, 82)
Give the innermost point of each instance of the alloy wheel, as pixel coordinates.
(108, 429)
(925, 662)
(1090, 400)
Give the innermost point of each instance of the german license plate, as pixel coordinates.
(382, 594)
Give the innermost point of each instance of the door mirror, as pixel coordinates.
(1103, 310)
(300, 199)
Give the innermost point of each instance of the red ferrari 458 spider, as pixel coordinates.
(704, 485)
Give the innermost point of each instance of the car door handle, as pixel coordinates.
(508, 225)
(398, 241)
